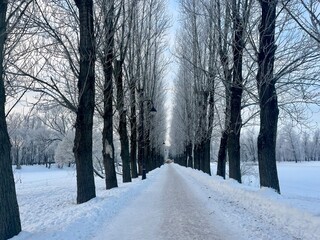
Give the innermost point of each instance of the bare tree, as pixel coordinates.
(125, 157)
(132, 82)
(223, 47)
(123, 38)
(305, 14)
(107, 56)
(57, 77)
(9, 212)
(240, 17)
(84, 121)
(268, 102)
(52, 79)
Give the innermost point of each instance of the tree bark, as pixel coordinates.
(211, 90)
(132, 86)
(107, 132)
(84, 122)
(141, 163)
(123, 133)
(206, 156)
(267, 97)
(133, 136)
(146, 146)
(196, 163)
(10, 224)
(234, 135)
(223, 54)
(221, 167)
(189, 155)
(236, 96)
(184, 160)
(153, 158)
(222, 154)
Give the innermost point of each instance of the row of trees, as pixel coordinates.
(243, 63)
(46, 138)
(32, 142)
(292, 145)
(92, 66)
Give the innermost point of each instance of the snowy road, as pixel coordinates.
(173, 203)
(168, 209)
(182, 204)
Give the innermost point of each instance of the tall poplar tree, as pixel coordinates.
(268, 101)
(240, 15)
(86, 86)
(9, 211)
(107, 60)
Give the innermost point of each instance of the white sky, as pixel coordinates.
(171, 73)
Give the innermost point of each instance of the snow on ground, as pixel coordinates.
(167, 209)
(172, 203)
(299, 184)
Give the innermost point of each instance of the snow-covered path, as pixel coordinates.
(174, 202)
(167, 209)
(181, 203)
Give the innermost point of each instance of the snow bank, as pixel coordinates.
(48, 209)
(270, 207)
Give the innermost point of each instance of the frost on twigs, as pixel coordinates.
(63, 153)
(249, 173)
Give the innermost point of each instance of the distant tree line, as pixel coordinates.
(293, 145)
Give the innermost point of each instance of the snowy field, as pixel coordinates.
(48, 210)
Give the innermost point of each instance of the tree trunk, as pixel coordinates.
(211, 88)
(200, 155)
(267, 98)
(133, 76)
(133, 127)
(236, 96)
(9, 211)
(206, 157)
(84, 122)
(234, 151)
(202, 131)
(184, 159)
(189, 155)
(107, 132)
(141, 163)
(124, 141)
(18, 163)
(222, 155)
(147, 147)
(197, 156)
(160, 159)
(153, 159)
(210, 123)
